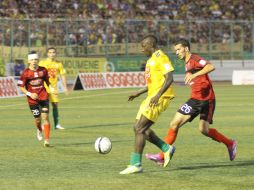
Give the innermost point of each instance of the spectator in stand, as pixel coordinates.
(19, 67)
(117, 12)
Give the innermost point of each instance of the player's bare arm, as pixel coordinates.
(63, 77)
(207, 69)
(137, 94)
(168, 81)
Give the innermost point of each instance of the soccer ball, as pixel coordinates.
(103, 145)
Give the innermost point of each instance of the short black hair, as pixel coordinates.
(152, 38)
(51, 48)
(183, 42)
(32, 52)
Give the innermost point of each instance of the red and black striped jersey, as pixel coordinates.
(201, 86)
(33, 81)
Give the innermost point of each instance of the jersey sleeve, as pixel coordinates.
(202, 63)
(199, 61)
(42, 63)
(166, 64)
(22, 80)
(61, 69)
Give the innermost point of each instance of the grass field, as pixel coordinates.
(73, 164)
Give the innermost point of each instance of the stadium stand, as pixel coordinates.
(116, 12)
(139, 9)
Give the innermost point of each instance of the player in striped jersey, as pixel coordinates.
(31, 83)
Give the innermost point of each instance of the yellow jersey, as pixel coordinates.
(156, 67)
(54, 69)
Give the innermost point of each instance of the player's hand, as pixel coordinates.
(133, 96)
(51, 89)
(154, 101)
(34, 96)
(188, 78)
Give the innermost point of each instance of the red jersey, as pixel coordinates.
(201, 86)
(33, 81)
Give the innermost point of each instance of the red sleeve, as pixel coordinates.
(23, 79)
(199, 61)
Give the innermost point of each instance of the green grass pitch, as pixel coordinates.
(73, 164)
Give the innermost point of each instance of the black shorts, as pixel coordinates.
(195, 107)
(40, 107)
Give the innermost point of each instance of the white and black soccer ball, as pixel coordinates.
(103, 145)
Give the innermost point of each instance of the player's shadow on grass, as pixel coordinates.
(218, 165)
(209, 165)
(89, 143)
(103, 125)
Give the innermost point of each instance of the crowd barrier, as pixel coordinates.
(9, 88)
(92, 81)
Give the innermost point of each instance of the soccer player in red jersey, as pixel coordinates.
(31, 83)
(201, 102)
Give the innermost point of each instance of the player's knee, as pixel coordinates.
(203, 130)
(134, 128)
(174, 125)
(44, 117)
(149, 133)
(38, 120)
(45, 110)
(138, 129)
(54, 105)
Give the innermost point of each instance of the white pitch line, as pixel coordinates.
(71, 98)
(94, 95)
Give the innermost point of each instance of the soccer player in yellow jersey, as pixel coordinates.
(55, 68)
(159, 79)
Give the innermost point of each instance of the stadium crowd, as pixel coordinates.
(109, 21)
(132, 9)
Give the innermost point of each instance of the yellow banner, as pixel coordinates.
(75, 65)
(115, 49)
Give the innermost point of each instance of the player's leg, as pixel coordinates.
(152, 114)
(145, 118)
(178, 121)
(45, 120)
(206, 117)
(55, 111)
(142, 132)
(186, 113)
(219, 137)
(167, 150)
(140, 139)
(140, 128)
(35, 109)
(38, 124)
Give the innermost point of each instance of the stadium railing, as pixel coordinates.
(217, 40)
